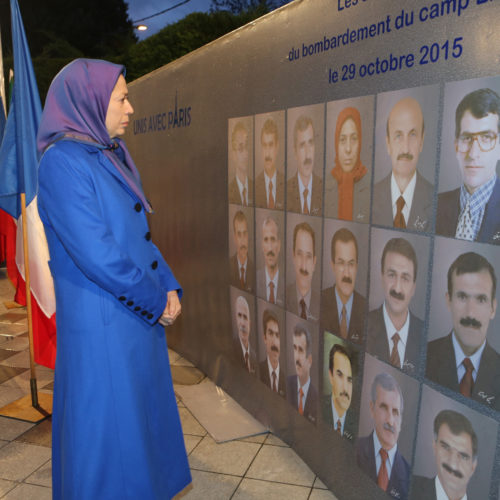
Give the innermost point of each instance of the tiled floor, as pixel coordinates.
(245, 469)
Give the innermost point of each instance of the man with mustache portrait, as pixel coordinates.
(342, 308)
(240, 187)
(394, 332)
(463, 360)
(241, 267)
(377, 454)
(403, 199)
(301, 299)
(455, 451)
(270, 282)
(300, 392)
(241, 343)
(336, 413)
(270, 183)
(271, 373)
(305, 188)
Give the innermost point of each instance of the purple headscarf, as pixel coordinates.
(75, 109)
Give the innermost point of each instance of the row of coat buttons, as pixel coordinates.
(130, 303)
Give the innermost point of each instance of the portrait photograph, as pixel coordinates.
(455, 445)
(405, 158)
(341, 386)
(349, 148)
(270, 249)
(387, 420)
(245, 330)
(469, 198)
(240, 161)
(271, 330)
(303, 266)
(241, 248)
(302, 384)
(305, 157)
(397, 299)
(463, 320)
(270, 141)
(345, 278)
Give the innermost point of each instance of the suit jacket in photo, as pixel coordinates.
(330, 315)
(400, 473)
(377, 344)
(420, 218)
(261, 191)
(264, 377)
(423, 488)
(234, 195)
(448, 213)
(327, 414)
(441, 368)
(292, 396)
(279, 294)
(240, 359)
(292, 304)
(234, 274)
(360, 199)
(293, 196)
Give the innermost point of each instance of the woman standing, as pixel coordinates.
(116, 429)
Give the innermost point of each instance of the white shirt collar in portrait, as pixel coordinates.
(241, 186)
(348, 306)
(336, 417)
(274, 280)
(390, 330)
(460, 356)
(301, 192)
(273, 180)
(378, 459)
(277, 371)
(441, 494)
(407, 194)
(305, 390)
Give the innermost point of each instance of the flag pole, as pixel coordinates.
(33, 385)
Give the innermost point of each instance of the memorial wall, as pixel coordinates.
(324, 186)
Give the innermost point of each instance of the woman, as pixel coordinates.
(348, 170)
(115, 428)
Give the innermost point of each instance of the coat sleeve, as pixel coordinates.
(68, 200)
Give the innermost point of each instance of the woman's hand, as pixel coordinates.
(172, 309)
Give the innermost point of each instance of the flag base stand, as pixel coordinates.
(23, 409)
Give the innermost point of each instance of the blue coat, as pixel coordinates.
(115, 430)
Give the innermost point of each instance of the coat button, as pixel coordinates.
(150, 316)
(130, 303)
(143, 313)
(147, 236)
(154, 265)
(137, 308)
(138, 207)
(122, 298)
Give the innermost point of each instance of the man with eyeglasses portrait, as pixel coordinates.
(472, 211)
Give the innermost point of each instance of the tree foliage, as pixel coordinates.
(240, 6)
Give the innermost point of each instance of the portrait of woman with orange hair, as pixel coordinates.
(348, 182)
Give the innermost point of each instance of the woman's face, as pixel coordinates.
(119, 109)
(348, 146)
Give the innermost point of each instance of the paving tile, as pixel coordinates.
(9, 394)
(173, 356)
(233, 457)
(190, 442)
(250, 489)
(6, 486)
(29, 492)
(17, 342)
(6, 353)
(42, 476)
(275, 440)
(19, 460)
(11, 428)
(13, 316)
(260, 438)
(43, 375)
(189, 424)
(277, 463)
(7, 373)
(210, 486)
(20, 359)
(317, 494)
(3, 443)
(41, 434)
(186, 375)
(319, 484)
(182, 362)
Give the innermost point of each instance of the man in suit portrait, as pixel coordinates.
(472, 211)
(241, 267)
(270, 370)
(394, 332)
(300, 392)
(403, 199)
(342, 308)
(377, 454)
(463, 360)
(270, 183)
(336, 405)
(240, 187)
(270, 282)
(241, 343)
(305, 188)
(455, 452)
(301, 299)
